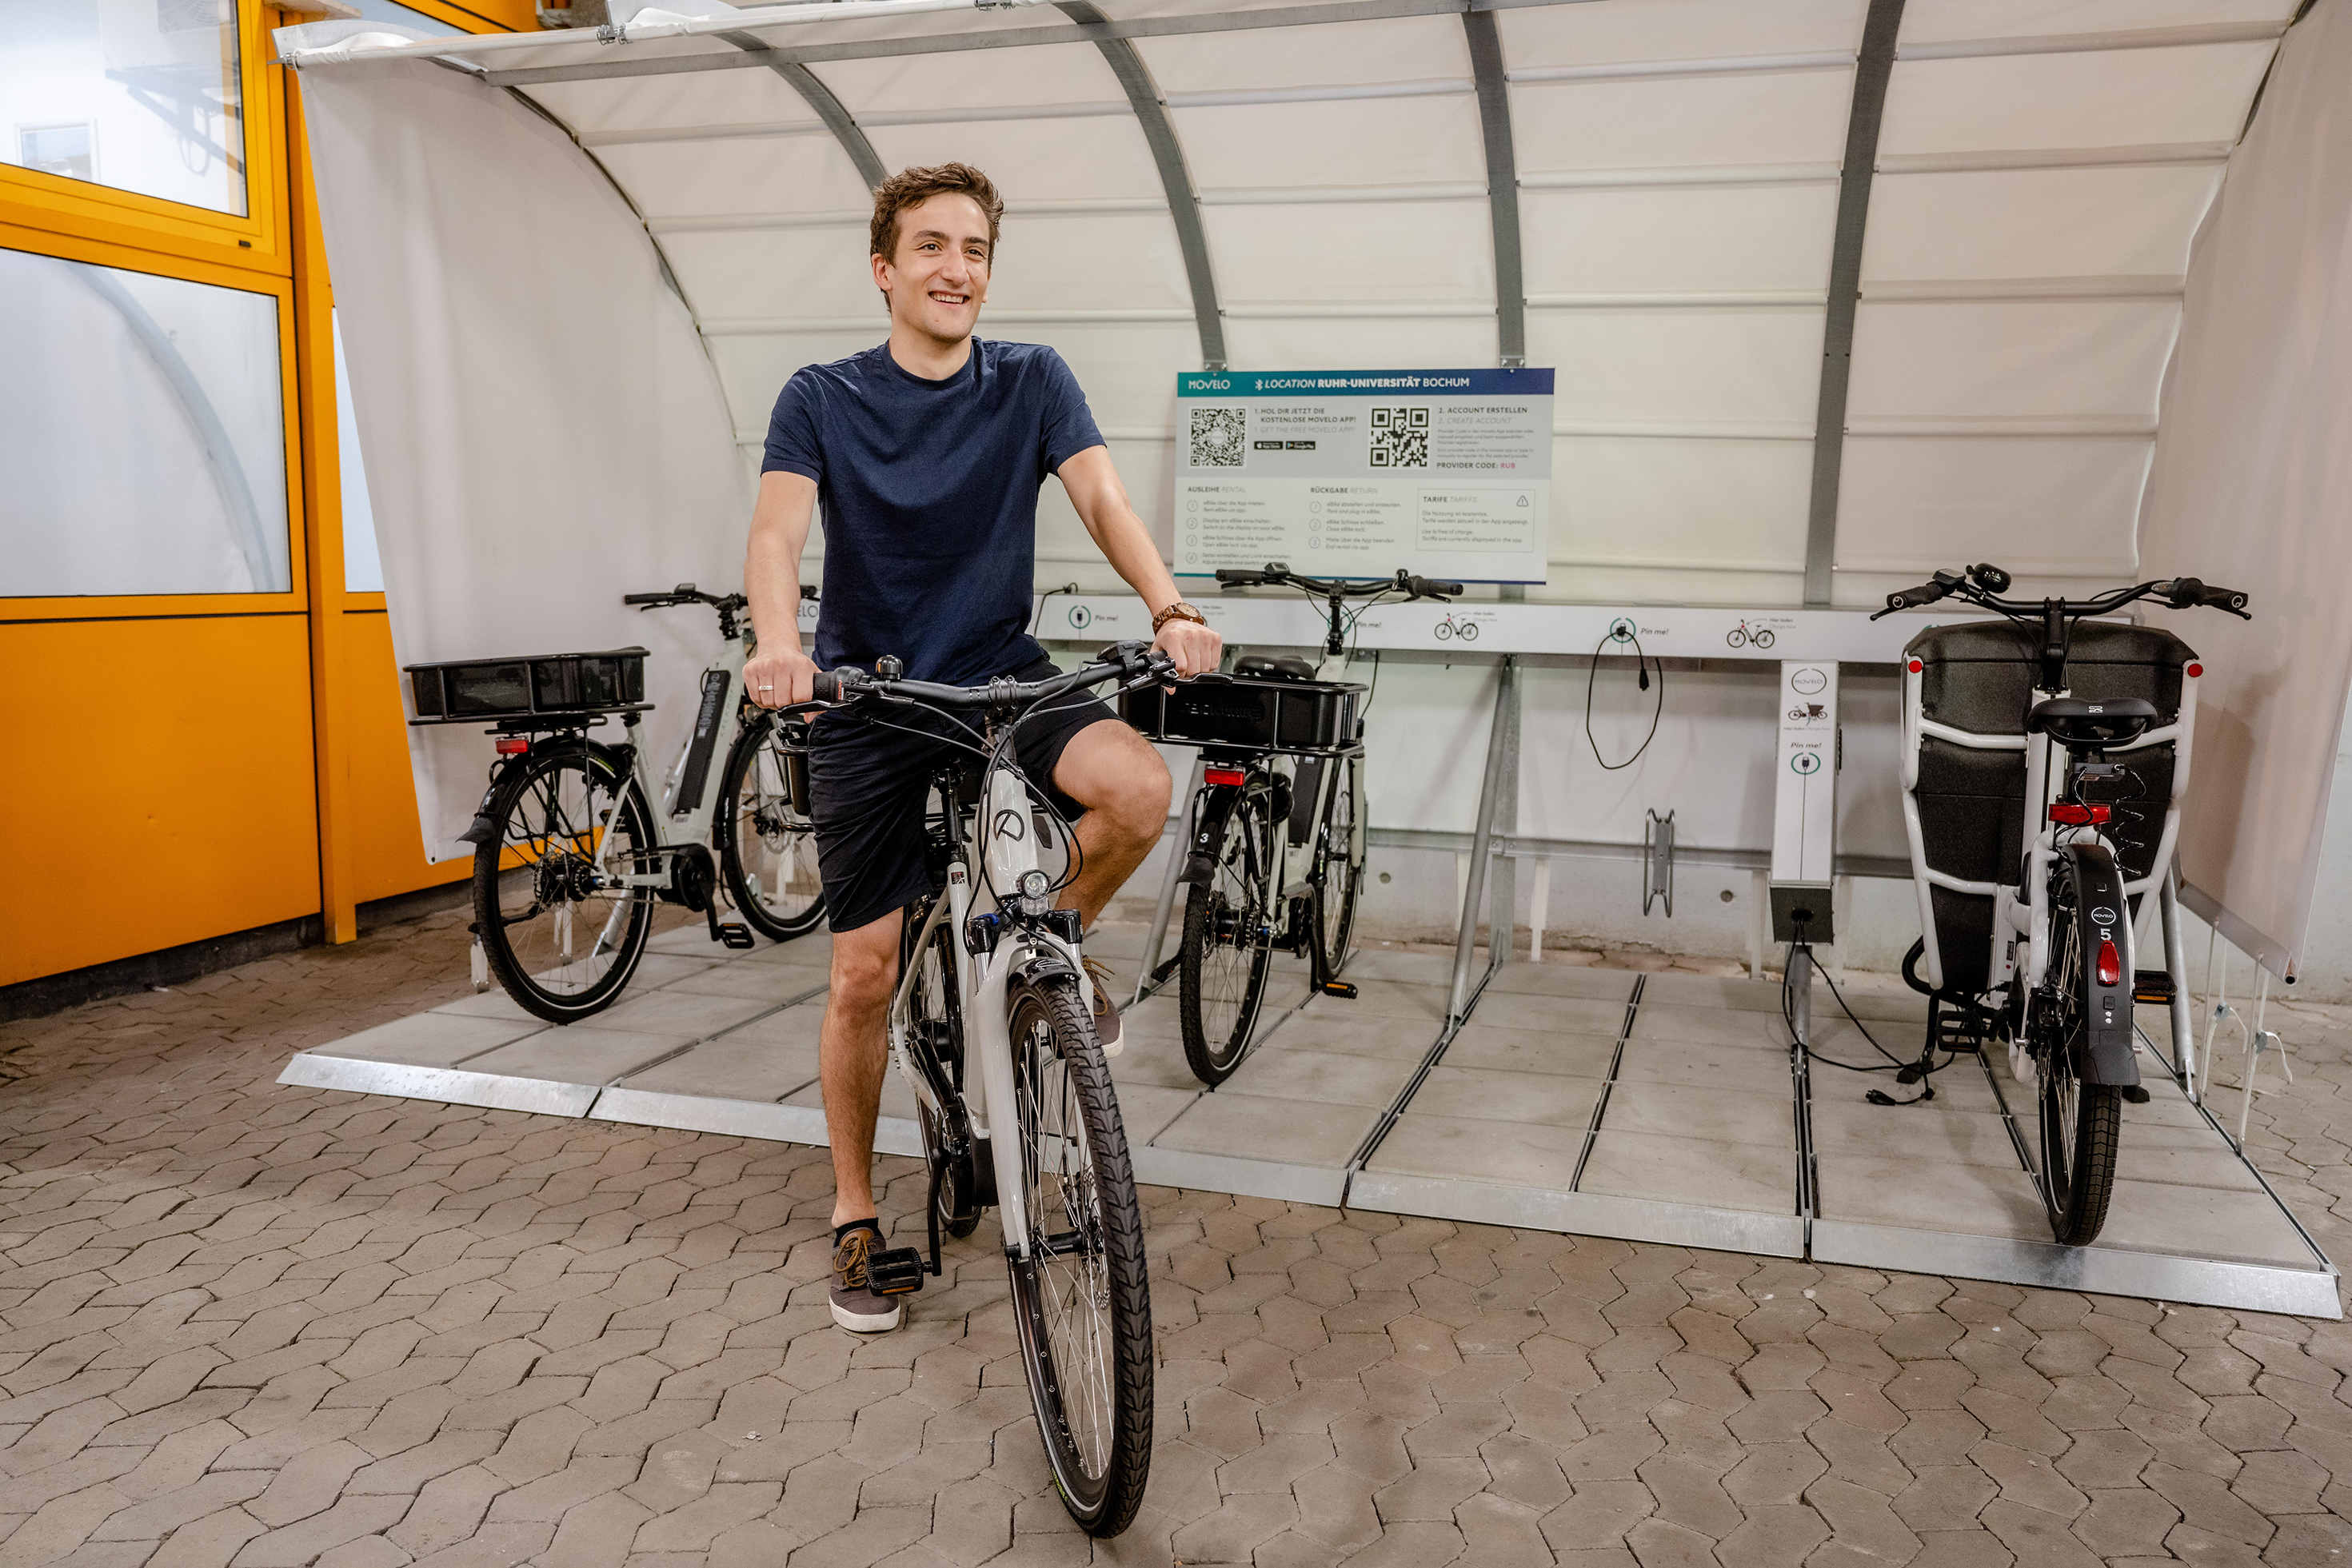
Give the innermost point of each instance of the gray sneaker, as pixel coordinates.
(1107, 1026)
(856, 1306)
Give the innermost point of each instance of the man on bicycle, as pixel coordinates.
(928, 453)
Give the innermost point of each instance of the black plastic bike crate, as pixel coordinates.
(1977, 676)
(460, 691)
(1236, 710)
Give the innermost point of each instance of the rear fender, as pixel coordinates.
(1218, 802)
(2105, 916)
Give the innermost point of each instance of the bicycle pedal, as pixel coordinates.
(736, 936)
(897, 1272)
(1344, 990)
(2151, 986)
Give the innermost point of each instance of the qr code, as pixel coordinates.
(1219, 435)
(1399, 438)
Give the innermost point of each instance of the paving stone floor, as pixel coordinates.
(254, 1326)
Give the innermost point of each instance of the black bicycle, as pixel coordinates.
(992, 1023)
(1277, 852)
(2066, 923)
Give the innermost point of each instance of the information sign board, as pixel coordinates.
(1360, 473)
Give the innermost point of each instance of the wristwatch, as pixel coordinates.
(1180, 610)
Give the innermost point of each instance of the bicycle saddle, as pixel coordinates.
(1273, 667)
(2080, 725)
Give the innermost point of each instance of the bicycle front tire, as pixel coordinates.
(755, 812)
(1081, 1299)
(1340, 875)
(553, 806)
(1226, 951)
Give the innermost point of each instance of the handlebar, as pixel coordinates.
(1133, 664)
(1982, 585)
(1277, 574)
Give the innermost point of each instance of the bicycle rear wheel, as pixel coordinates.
(767, 851)
(1228, 945)
(2081, 1123)
(560, 940)
(1339, 864)
(1082, 1300)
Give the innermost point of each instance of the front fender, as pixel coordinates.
(2107, 1056)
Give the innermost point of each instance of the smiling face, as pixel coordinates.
(937, 280)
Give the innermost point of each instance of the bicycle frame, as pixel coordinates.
(2030, 917)
(983, 980)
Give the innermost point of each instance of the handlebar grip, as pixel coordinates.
(832, 685)
(645, 598)
(1447, 589)
(2223, 598)
(1234, 578)
(1911, 597)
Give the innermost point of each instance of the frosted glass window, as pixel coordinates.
(402, 16)
(362, 566)
(142, 433)
(142, 95)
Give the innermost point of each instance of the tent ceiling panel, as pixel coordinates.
(1748, 370)
(2040, 507)
(725, 100)
(1611, 32)
(1947, 21)
(1034, 160)
(1382, 142)
(763, 175)
(1136, 10)
(987, 79)
(1795, 116)
(1099, 262)
(1673, 240)
(2037, 223)
(1666, 503)
(1353, 251)
(1337, 54)
(2105, 99)
(1351, 343)
(754, 366)
(732, 276)
(1127, 368)
(2058, 360)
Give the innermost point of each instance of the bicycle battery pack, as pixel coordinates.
(1266, 714)
(463, 691)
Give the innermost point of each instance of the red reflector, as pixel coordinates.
(1233, 778)
(1916, 666)
(2067, 814)
(513, 746)
(2196, 669)
(2111, 966)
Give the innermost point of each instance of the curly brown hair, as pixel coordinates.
(912, 187)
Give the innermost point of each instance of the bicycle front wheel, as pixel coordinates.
(1228, 946)
(1081, 1299)
(767, 851)
(1339, 865)
(560, 937)
(2081, 1123)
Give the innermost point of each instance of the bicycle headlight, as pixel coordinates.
(1033, 885)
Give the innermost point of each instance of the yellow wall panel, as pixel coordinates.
(387, 842)
(163, 772)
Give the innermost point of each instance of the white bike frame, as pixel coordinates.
(982, 982)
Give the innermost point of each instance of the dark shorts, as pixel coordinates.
(869, 784)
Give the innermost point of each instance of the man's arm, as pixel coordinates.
(780, 671)
(1101, 503)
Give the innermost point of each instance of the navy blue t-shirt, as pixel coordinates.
(929, 498)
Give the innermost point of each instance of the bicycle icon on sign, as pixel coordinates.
(1743, 634)
(1449, 628)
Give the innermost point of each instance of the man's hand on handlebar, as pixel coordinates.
(779, 679)
(1195, 648)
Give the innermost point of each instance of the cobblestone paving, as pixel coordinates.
(241, 1323)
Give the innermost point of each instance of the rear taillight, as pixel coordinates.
(513, 746)
(2111, 964)
(2073, 814)
(1231, 777)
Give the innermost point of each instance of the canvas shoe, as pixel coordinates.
(856, 1305)
(1106, 1024)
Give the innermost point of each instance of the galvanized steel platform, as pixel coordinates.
(1661, 1107)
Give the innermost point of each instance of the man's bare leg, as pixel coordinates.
(1116, 775)
(853, 1052)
